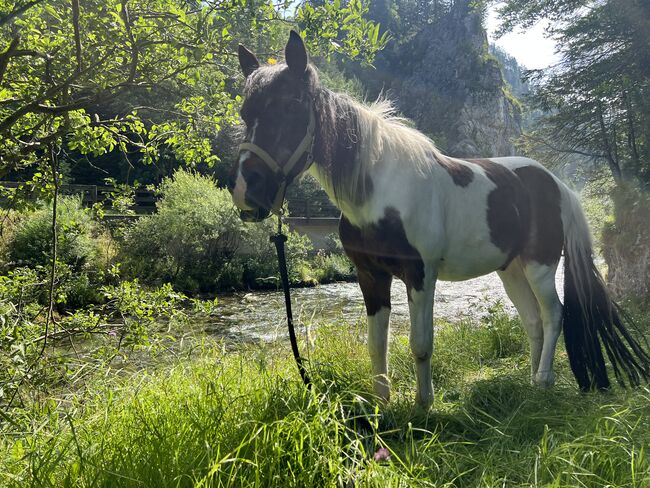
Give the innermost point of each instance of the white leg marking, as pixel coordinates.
(542, 281)
(378, 326)
(523, 298)
(421, 338)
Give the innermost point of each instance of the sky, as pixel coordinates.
(530, 48)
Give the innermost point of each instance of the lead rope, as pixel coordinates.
(279, 239)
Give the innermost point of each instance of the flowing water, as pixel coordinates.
(261, 315)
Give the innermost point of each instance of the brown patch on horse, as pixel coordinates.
(379, 251)
(546, 235)
(460, 174)
(508, 209)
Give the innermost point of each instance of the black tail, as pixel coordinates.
(592, 321)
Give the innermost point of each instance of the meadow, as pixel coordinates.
(205, 413)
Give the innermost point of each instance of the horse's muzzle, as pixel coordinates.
(256, 215)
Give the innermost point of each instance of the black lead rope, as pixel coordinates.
(279, 239)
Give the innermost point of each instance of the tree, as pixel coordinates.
(596, 98)
(63, 58)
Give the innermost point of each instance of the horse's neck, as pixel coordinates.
(324, 178)
(337, 151)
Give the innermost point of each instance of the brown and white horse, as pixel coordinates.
(411, 212)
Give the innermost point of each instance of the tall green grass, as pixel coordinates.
(243, 418)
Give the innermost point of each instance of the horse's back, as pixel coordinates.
(519, 216)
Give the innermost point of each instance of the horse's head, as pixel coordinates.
(280, 125)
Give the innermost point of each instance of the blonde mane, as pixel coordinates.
(378, 132)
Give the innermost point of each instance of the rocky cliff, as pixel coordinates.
(444, 78)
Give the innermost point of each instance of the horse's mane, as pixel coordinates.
(354, 136)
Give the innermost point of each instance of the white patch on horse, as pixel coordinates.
(378, 349)
(541, 279)
(421, 337)
(239, 191)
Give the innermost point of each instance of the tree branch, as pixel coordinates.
(77, 35)
(18, 11)
(10, 120)
(4, 57)
(134, 47)
(50, 305)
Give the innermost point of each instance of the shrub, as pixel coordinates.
(31, 242)
(83, 250)
(197, 242)
(333, 267)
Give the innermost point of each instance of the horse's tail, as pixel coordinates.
(592, 321)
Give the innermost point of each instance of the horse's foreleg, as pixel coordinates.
(421, 337)
(375, 287)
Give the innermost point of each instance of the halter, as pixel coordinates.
(282, 172)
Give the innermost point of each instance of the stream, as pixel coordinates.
(260, 315)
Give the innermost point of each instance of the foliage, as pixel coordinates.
(242, 417)
(31, 242)
(84, 251)
(197, 241)
(128, 320)
(74, 74)
(626, 244)
(331, 267)
(328, 29)
(596, 98)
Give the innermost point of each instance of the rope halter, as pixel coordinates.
(282, 172)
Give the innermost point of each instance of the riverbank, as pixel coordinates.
(210, 417)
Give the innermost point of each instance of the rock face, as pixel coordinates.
(445, 79)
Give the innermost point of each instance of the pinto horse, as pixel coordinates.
(408, 211)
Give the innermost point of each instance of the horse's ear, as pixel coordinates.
(295, 54)
(247, 61)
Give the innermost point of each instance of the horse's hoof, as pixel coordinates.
(382, 390)
(544, 379)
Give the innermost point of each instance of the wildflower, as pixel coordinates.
(382, 454)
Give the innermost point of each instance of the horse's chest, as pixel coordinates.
(383, 246)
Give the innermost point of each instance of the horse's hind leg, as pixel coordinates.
(541, 279)
(375, 286)
(519, 291)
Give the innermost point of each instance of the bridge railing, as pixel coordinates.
(313, 207)
(145, 200)
(317, 205)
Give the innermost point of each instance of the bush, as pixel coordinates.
(333, 267)
(83, 251)
(31, 242)
(197, 242)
